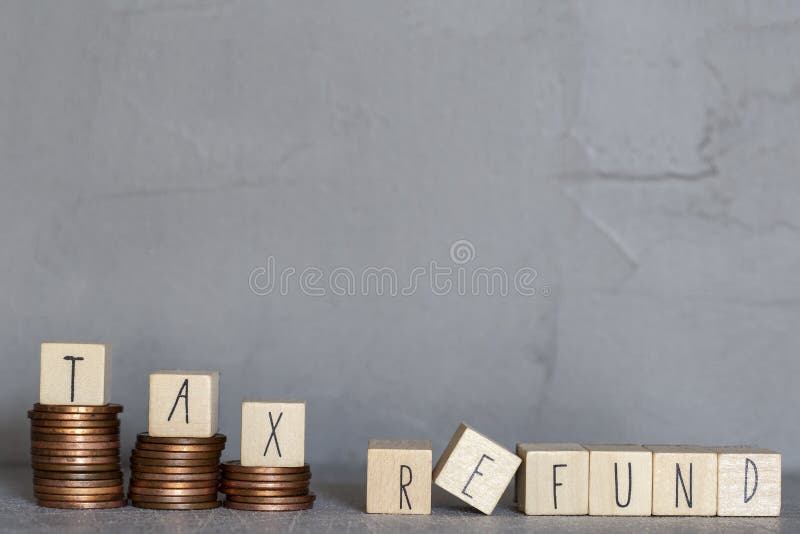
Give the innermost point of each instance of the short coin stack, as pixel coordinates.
(266, 489)
(75, 456)
(174, 473)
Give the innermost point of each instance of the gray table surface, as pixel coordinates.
(340, 508)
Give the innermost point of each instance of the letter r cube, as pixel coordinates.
(399, 477)
(273, 433)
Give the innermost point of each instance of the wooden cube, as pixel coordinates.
(399, 476)
(620, 480)
(749, 482)
(184, 404)
(684, 480)
(553, 479)
(475, 469)
(273, 433)
(75, 373)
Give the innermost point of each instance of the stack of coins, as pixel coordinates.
(75, 456)
(175, 473)
(266, 489)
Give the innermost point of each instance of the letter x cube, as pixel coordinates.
(273, 433)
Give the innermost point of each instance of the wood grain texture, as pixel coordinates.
(620, 480)
(399, 477)
(475, 469)
(273, 433)
(749, 482)
(90, 385)
(684, 480)
(553, 479)
(184, 404)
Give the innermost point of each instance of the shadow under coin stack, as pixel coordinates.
(266, 489)
(75, 456)
(175, 473)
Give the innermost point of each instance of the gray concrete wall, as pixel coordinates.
(642, 157)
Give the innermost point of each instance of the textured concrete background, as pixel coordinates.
(642, 156)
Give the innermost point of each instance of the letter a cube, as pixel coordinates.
(475, 469)
(75, 373)
(184, 404)
(273, 433)
(399, 477)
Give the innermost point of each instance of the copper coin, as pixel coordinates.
(69, 440)
(73, 452)
(273, 500)
(66, 475)
(216, 438)
(82, 505)
(177, 506)
(91, 468)
(236, 467)
(173, 463)
(110, 423)
(173, 470)
(78, 498)
(166, 477)
(53, 416)
(163, 455)
(56, 490)
(73, 446)
(172, 492)
(144, 446)
(171, 499)
(173, 485)
(231, 475)
(246, 484)
(38, 481)
(268, 507)
(75, 431)
(74, 460)
(264, 493)
(68, 408)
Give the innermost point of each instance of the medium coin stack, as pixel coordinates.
(75, 456)
(266, 489)
(175, 473)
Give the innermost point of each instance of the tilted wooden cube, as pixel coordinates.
(273, 433)
(684, 480)
(553, 479)
(75, 373)
(620, 480)
(475, 469)
(749, 482)
(184, 404)
(399, 476)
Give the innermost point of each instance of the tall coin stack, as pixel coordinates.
(175, 473)
(75, 456)
(266, 489)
